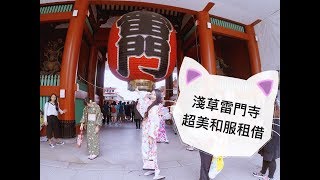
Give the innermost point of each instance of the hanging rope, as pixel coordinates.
(82, 79)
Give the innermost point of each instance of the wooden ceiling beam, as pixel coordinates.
(55, 17)
(256, 22)
(208, 6)
(143, 4)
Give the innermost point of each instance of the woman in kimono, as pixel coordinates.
(162, 135)
(149, 107)
(92, 120)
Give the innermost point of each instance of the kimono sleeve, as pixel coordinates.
(154, 119)
(99, 116)
(84, 118)
(164, 113)
(142, 106)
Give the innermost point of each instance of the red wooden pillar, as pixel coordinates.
(180, 54)
(207, 54)
(169, 86)
(254, 56)
(101, 80)
(92, 71)
(69, 67)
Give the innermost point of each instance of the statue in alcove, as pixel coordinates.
(221, 66)
(53, 55)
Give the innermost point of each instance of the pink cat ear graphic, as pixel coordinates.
(192, 75)
(265, 86)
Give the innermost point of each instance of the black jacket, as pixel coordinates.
(137, 115)
(271, 150)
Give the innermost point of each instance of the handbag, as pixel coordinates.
(216, 166)
(80, 138)
(149, 165)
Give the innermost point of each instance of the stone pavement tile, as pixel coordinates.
(58, 153)
(44, 176)
(185, 173)
(58, 164)
(237, 162)
(277, 173)
(189, 161)
(138, 175)
(168, 164)
(196, 170)
(56, 173)
(70, 140)
(77, 166)
(120, 158)
(104, 167)
(256, 160)
(86, 175)
(128, 158)
(95, 166)
(45, 172)
(222, 177)
(244, 172)
(134, 167)
(99, 160)
(167, 173)
(170, 153)
(112, 175)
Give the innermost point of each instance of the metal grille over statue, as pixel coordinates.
(142, 49)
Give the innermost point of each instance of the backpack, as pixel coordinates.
(121, 108)
(113, 109)
(106, 108)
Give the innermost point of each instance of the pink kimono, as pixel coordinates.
(162, 135)
(150, 128)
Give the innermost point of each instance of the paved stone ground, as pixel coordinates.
(120, 159)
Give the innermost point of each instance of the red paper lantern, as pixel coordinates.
(142, 49)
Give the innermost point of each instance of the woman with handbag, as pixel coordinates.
(51, 110)
(92, 120)
(149, 106)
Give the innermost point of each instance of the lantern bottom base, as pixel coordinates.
(141, 84)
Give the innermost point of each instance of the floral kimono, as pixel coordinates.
(92, 117)
(41, 122)
(150, 128)
(162, 135)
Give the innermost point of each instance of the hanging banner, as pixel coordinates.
(224, 116)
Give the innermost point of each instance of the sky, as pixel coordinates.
(111, 81)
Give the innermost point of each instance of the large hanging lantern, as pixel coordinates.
(142, 49)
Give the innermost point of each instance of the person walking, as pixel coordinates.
(137, 116)
(106, 112)
(271, 151)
